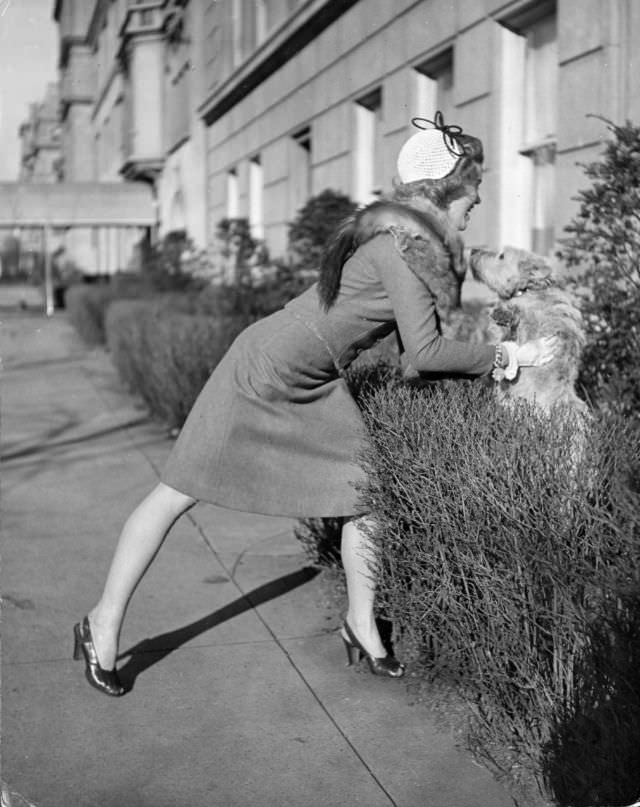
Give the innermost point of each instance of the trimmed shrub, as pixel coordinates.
(604, 242)
(86, 307)
(166, 357)
(314, 225)
(499, 557)
(87, 304)
(253, 299)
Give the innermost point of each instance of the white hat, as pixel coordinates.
(430, 153)
(425, 155)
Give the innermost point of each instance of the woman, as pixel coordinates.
(275, 429)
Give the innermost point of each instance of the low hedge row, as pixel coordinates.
(513, 572)
(87, 304)
(166, 356)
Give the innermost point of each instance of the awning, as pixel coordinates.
(79, 204)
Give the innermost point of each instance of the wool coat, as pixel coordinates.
(275, 429)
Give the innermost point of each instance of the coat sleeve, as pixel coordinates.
(417, 320)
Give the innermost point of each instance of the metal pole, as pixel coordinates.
(48, 278)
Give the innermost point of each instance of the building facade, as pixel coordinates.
(40, 161)
(129, 95)
(303, 96)
(246, 108)
(40, 140)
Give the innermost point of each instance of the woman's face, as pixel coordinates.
(459, 209)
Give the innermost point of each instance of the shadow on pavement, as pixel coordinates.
(45, 443)
(148, 652)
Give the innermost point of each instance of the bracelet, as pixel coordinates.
(505, 363)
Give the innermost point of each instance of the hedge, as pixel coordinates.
(166, 357)
(87, 304)
(513, 573)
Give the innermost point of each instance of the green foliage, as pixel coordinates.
(253, 299)
(604, 242)
(320, 538)
(87, 304)
(499, 551)
(238, 246)
(314, 225)
(165, 271)
(166, 356)
(164, 265)
(243, 281)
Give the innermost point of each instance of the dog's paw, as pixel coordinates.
(506, 316)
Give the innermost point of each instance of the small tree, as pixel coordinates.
(238, 250)
(162, 264)
(604, 241)
(314, 225)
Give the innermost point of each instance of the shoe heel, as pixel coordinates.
(353, 654)
(106, 681)
(77, 644)
(386, 665)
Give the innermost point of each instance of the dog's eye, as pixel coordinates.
(501, 256)
(519, 293)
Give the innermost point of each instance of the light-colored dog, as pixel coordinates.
(533, 304)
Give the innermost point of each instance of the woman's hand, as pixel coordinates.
(537, 352)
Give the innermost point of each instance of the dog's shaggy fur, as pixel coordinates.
(533, 304)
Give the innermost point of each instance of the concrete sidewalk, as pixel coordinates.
(239, 691)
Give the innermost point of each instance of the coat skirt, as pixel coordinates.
(275, 429)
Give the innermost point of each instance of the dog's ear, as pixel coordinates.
(535, 271)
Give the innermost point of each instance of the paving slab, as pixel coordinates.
(239, 694)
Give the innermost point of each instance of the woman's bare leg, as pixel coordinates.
(361, 587)
(140, 539)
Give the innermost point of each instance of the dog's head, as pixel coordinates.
(511, 271)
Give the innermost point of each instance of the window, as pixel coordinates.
(434, 87)
(528, 129)
(300, 169)
(268, 15)
(368, 180)
(540, 126)
(256, 206)
(236, 32)
(233, 197)
(262, 21)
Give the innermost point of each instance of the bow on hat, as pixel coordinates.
(450, 132)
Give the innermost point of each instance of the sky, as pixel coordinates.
(28, 62)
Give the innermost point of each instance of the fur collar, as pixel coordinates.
(435, 223)
(430, 247)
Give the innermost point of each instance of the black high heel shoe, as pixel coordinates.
(106, 681)
(386, 665)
